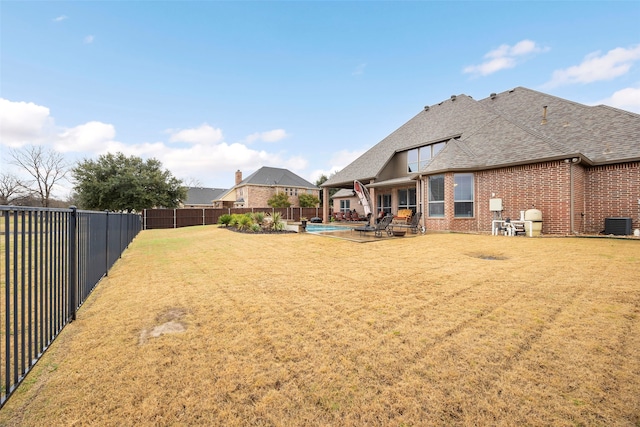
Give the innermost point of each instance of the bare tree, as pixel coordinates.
(46, 167)
(9, 188)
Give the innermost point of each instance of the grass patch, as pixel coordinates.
(294, 330)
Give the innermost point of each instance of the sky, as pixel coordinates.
(211, 87)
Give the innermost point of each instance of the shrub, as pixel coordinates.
(244, 221)
(278, 224)
(258, 217)
(280, 200)
(308, 201)
(224, 220)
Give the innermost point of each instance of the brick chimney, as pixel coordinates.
(238, 177)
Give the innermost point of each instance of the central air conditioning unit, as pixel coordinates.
(619, 226)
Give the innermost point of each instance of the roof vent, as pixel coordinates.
(493, 95)
(453, 97)
(426, 108)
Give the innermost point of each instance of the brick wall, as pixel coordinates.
(543, 186)
(612, 191)
(257, 195)
(598, 192)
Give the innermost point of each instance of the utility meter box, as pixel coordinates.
(495, 205)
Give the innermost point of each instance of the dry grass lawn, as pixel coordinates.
(203, 326)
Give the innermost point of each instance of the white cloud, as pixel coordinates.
(88, 39)
(89, 137)
(204, 134)
(60, 18)
(23, 123)
(597, 66)
(342, 158)
(505, 57)
(268, 136)
(206, 157)
(625, 99)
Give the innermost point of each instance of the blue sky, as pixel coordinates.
(210, 87)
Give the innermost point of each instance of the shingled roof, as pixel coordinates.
(519, 126)
(276, 177)
(202, 195)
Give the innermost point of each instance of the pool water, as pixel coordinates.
(320, 228)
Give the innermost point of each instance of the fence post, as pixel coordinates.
(106, 249)
(73, 261)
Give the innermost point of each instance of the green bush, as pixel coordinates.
(280, 200)
(308, 201)
(244, 221)
(258, 217)
(224, 220)
(278, 224)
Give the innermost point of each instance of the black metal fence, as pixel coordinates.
(187, 217)
(51, 260)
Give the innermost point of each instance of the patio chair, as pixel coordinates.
(383, 226)
(414, 226)
(403, 216)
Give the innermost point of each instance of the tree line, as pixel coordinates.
(112, 182)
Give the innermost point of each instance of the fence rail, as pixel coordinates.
(186, 217)
(51, 260)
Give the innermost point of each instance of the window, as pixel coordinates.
(407, 199)
(419, 158)
(345, 205)
(384, 202)
(463, 195)
(436, 196)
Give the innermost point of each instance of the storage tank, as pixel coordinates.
(535, 216)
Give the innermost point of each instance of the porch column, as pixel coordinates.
(325, 205)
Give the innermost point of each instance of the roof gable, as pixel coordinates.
(269, 176)
(202, 195)
(514, 127)
(439, 122)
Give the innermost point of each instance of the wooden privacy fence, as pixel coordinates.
(187, 217)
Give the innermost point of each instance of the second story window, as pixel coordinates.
(418, 158)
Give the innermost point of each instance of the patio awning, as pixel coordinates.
(405, 180)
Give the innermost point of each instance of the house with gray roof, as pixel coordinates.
(256, 189)
(467, 163)
(202, 197)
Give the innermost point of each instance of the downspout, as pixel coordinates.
(575, 160)
(420, 186)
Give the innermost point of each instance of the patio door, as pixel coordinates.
(384, 203)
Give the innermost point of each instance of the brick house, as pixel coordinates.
(255, 190)
(202, 197)
(577, 164)
(346, 200)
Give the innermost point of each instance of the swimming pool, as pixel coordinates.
(321, 228)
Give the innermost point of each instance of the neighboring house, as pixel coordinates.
(577, 164)
(255, 190)
(346, 200)
(200, 197)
